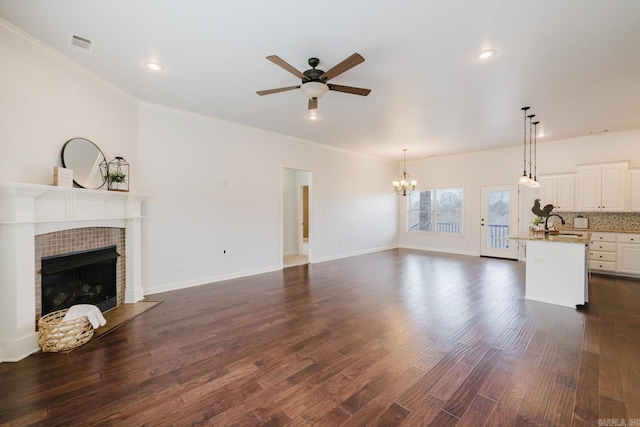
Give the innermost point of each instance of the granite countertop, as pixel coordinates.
(583, 237)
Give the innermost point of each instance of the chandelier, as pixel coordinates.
(404, 186)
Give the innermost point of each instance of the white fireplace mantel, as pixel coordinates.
(28, 210)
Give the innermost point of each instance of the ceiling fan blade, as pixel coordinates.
(345, 65)
(281, 63)
(313, 104)
(349, 89)
(280, 89)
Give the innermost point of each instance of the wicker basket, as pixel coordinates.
(56, 335)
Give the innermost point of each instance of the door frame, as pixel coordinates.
(514, 221)
(302, 220)
(299, 184)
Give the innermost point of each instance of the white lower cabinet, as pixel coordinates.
(602, 252)
(615, 253)
(628, 253)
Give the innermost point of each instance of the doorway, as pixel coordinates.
(499, 219)
(296, 223)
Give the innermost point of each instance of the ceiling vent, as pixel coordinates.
(80, 43)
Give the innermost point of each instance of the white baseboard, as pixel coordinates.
(441, 250)
(16, 350)
(207, 280)
(350, 254)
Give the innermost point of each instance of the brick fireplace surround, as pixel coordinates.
(42, 220)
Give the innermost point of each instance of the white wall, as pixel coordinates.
(45, 100)
(216, 186)
(500, 167)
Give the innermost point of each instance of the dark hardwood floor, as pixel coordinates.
(398, 337)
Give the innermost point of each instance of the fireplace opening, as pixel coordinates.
(84, 277)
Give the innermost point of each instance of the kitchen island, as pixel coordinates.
(556, 270)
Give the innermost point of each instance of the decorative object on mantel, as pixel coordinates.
(62, 177)
(530, 180)
(87, 162)
(118, 174)
(404, 186)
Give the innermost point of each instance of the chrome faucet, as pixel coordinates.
(546, 221)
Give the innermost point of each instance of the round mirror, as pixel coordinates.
(86, 160)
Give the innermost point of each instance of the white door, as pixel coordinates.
(499, 219)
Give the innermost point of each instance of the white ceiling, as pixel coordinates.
(575, 62)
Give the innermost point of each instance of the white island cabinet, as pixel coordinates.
(557, 273)
(556, 270)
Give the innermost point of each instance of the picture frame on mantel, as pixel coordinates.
(62, 177)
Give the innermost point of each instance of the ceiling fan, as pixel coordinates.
(314, 81)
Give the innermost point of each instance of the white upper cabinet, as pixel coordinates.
(635, 190)
(602, 187)
(559, 190)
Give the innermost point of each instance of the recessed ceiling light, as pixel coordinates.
(486, 54)
(154, 66)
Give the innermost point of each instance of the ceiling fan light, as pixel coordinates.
(314, 89)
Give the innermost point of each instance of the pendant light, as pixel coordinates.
(404, 186)
(524, 179)
(535, 183)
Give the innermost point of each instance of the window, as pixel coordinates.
(436, 210)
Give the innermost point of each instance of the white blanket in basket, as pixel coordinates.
(92, 312)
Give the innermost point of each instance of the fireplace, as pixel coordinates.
(39, 221)
(83, 277)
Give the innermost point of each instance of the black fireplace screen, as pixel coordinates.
(85, 277)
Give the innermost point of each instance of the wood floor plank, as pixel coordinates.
(448, 385)
(559, 411)
(397, 337)
(368, 415)
(615, 410)
(415, 394)
(478, 412)
(430, 406)
(586, 401)
(464, 395)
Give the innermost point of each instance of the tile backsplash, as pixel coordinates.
(605, 221)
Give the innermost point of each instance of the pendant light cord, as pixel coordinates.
(531, 116)
(524, 147)
(535, 151)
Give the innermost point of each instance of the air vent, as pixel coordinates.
(80, 43)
